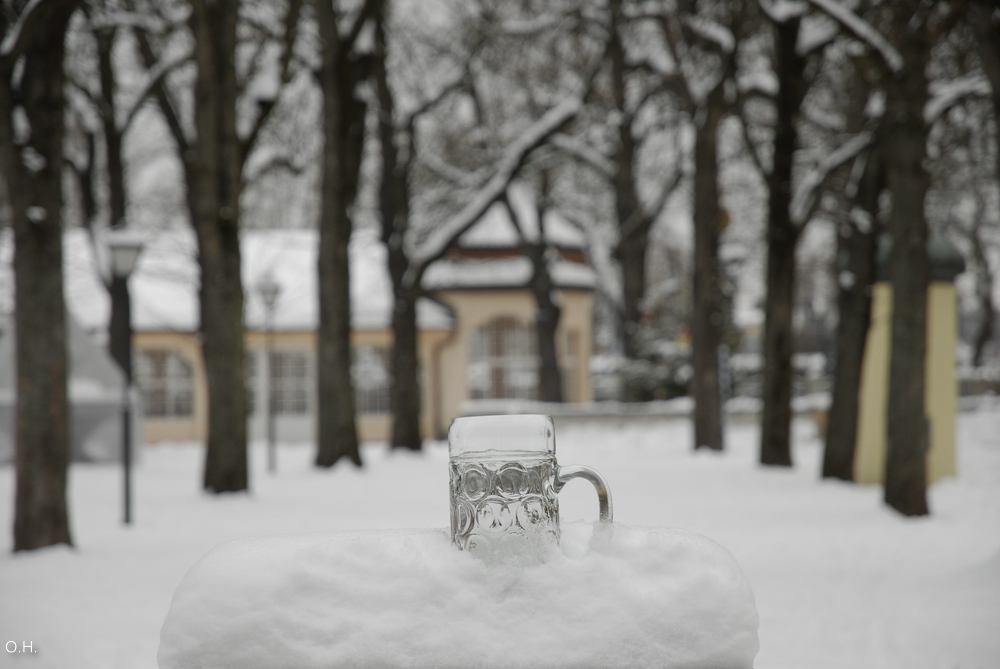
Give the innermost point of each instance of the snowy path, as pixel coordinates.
(841, 582)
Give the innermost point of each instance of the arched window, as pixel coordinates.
(504, 362)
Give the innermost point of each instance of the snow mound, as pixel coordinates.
(615, 597)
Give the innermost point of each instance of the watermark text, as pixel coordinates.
(26, 647)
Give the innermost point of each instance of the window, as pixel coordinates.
(290, 379)
(504, 361)
(370, 371)
(167, 383)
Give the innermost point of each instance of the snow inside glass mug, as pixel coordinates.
(504, 486)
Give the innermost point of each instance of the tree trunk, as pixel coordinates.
(405, 392)
(547, 310)
(985, 22)
(857, 252)
(32, 165)
(550, 386)
(706, 315)
(984, 295)
(214, 183)
(782, 238)
(909, 267)
(336, 430)
(631, 256)
(633, 224)
(112, 136)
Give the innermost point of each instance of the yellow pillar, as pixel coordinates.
(941, 392)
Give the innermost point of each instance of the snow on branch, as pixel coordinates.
(816, 32)
(780, 11)
(862, 30)
(448, 172)
(712, 31)
(763, 83)
(529, 27)
(130, 19)
(13, 42)
(645, 10)
(947, 94)
(448, 231)
(585, 153)
(805, 197)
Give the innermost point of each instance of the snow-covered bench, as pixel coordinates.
(622, 597)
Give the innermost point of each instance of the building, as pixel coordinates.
(476, 326)
(95, 390)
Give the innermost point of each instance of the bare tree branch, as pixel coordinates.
(863, 31)
(946, 96)
(454, 175)
(584, 153)
(758, 161)
(265, 107)
(15, 41)
(806, 198)
(600, 254)
(156, 77)
(656, 207)
(163, 97)
(514, 156)
(368, 11)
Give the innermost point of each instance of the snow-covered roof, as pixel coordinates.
(164, 285)
(507, 272)
(496, 230)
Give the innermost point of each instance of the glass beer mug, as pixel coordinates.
(504, 486)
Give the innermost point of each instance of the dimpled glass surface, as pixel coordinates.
(504, 505)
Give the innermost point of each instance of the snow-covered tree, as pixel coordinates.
(340, 74)
(441, 173)
(702, 43)
(798, 37)
(904, 34)
(32, 49)
(849, 97)
(964, 199)
(243, 55)
(627, 139)
(106, 97)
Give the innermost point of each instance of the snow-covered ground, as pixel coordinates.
(840, 580)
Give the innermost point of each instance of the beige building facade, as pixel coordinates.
(940, 379)
(940, 386)
(175, 393)
(476, 332)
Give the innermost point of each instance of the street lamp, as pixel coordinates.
(124, 247)
(269, 290)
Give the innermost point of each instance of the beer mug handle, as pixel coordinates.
(564, 474)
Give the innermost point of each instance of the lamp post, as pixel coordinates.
(269, 290)
(124, 247)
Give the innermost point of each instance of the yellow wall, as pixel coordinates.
(371, 427)
(444, 357)
(941, 393)
(475, 308)
(177, 428)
